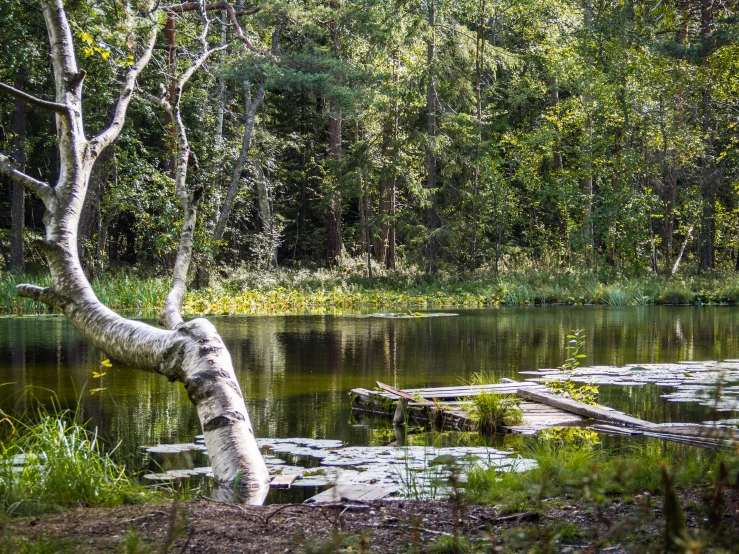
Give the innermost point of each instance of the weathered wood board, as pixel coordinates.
(352, 493)
(451, 405)
(282, 481)
(585, 410)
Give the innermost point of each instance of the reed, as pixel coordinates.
(320, 290)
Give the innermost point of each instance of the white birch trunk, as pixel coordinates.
(191, 353)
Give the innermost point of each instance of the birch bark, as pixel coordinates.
(189, 352)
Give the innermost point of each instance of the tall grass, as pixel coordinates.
(490, 411)
(53, 462)
(291, 290)
(120, 291)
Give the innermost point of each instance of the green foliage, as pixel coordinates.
(51, 462)
(588, 393)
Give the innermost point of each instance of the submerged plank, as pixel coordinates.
(585, 410)
(352, 493)
(282, 481)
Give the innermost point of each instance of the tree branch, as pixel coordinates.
(232, 16)
(45, 295)
(31, 100)
(39, 188)
(104, 139)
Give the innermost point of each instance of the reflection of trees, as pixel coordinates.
(296, 371)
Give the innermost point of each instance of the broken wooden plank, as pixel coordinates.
(614, 430)
(402, 394)
(282, 481)
(585, 410)
(352, 493)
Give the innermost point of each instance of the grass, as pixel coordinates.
(490, 411)
(293, 291)
(122, 291)
(576, 467)
(52, 462)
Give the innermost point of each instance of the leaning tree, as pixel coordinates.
(190, 352)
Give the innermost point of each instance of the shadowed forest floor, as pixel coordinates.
(635, 524)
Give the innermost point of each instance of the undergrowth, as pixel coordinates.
(50, 461)
(576, 466)
(315, 290)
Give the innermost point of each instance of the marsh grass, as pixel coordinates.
(121, 291)
(491, 411)
(51, 461)
(284, 290)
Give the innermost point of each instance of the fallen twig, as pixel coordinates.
(147, 516)
(246, 512)
(344, 507)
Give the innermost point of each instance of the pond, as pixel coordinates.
(296, 371)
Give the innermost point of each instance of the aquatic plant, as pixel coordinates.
(587, 394)
(489, 410)
(319, 290)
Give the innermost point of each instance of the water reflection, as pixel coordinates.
(296, 371)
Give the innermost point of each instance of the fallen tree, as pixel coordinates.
(190, 352)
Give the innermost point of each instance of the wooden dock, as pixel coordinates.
(450, 406)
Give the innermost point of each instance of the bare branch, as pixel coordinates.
(232, 16)
(31, 100)
(39, 188)
(104, 139)
(192, 6)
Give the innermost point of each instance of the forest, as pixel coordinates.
(370, 178)
(457, 136)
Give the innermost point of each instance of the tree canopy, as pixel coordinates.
(444, 134)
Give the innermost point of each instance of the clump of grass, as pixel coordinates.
(675, 295)
(53, 462)
(490, 411)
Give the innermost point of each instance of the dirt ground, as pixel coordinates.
(558, 525)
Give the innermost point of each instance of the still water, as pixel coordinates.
(296, 371)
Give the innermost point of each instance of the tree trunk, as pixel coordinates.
(191, 353)
(554, 102)
(334, 244)
(388, 181)
(265, 213)
(17, 192)
(90, 220)
(433, 221)
(250, 112)
(170, 36)
(708, 166)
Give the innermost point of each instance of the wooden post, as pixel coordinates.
(400, 412)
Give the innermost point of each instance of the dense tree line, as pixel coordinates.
(444, 134)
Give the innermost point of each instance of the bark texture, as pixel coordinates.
(17, 192)
(192, 352)
(433, 221)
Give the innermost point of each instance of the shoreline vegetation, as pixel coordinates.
(580, 496)
(285, 291)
